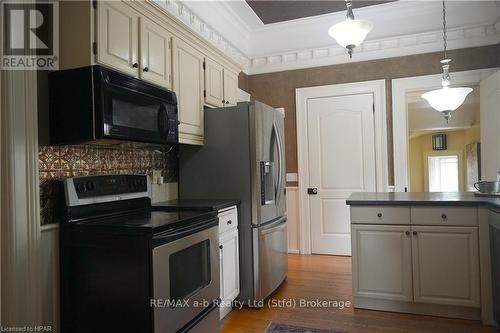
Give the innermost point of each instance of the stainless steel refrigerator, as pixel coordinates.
(244, 158)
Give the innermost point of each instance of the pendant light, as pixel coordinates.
(447, 99)
(350, 33)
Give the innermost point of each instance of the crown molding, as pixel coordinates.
(234, 29)
(201, 27)
(464, 37)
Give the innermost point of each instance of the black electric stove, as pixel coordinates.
(121, 262)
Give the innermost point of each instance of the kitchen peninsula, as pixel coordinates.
(423, 253)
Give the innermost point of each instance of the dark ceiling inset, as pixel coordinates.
(279, 11)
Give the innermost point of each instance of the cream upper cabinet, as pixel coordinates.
(446, 265)
(188, 85)
(381, 262)
(156, 53)
(117, 36)
(221, 85)
(230, 88)
(214, 83)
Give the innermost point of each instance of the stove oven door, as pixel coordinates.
(185, 278)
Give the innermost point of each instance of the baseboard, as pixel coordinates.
(437, 310)
(293, 251)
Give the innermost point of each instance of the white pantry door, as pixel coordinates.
(341, 141)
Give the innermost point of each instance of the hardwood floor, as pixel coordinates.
(329, 278)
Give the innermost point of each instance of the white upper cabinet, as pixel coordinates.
(221, 85)
(188, 85)
(230, 88)
(156, 53)
(141, 40)
(214, 83)
(117, 36)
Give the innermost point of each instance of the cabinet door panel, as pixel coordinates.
(381, 262)
(117, 36)
(156, 55)
(446, 265)
(188, 85)
(214, 83)
(230, 88)
(229, 270)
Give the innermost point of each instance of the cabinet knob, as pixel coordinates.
(135, 65)
(227, 102)
(444, 216)
(379, 215)
(407, 233)
(415, 233)
(223, 101)
(146, 69)
(221, 247)
(229, 222)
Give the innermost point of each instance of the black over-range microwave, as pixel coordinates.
(96, 104)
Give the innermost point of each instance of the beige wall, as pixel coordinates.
(278, 89)
(421, 145)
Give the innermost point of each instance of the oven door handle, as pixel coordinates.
(169, 236)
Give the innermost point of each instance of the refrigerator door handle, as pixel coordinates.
(280, 163)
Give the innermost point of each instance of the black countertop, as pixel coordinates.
(421, 199)
(194, 204)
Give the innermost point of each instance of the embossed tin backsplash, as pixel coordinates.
(59, 162)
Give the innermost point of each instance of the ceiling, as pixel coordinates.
(281, 11)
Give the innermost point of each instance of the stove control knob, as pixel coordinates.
(80, 188)
(90, 185)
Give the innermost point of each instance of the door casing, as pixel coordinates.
(375, 87)
(400, 113)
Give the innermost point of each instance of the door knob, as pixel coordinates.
(312, 190)
(146, 69)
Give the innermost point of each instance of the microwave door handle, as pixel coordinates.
(162, 120)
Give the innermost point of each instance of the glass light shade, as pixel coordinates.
(350, 32)
(446, 99)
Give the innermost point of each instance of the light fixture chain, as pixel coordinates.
(444, 30)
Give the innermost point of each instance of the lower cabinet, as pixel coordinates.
(419, 264)
(381, 262)
(446, 265)
(229, 262)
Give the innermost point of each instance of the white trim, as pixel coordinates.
(400, 113)
(195, 23)
(20, 192)
(389, 47)
(236, 30)
(377, 88)
(293, 216)
(243, 96)
(458, 154)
